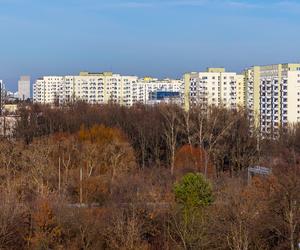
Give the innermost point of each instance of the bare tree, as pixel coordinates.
(13, 221)
(171, 129)
(125, 231)
(285, 205)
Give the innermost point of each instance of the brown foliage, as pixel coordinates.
(14, 221)
(192, 159)
(47, 233)
(125, 231)
(124, 157)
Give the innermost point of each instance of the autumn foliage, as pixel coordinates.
(193, 159)
(146, 177)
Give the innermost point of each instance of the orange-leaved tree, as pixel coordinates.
(105, 153)
(190, 158)
(47, 233)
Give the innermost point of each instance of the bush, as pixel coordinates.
(193, 191)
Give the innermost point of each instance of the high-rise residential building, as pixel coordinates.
(215, 87)
(24, 88)
(99, 88)
(273, 96)
(89, 87)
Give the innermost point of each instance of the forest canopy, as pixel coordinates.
(146, 177)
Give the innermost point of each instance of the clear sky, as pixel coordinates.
(144, 37)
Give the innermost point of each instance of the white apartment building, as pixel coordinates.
(46, 90)
(215, 87)
(98, 88)
(273, 95)
(89, 87)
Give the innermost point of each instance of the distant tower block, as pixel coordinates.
(24, 88)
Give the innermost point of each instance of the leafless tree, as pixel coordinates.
(171, 129)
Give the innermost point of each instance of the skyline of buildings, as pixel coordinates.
(101, 88)
(270, 93)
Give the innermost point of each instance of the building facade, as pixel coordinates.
(99, 88)
(215, 87)
(24, 88)
(273, 96)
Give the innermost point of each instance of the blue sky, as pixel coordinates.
(147, 37)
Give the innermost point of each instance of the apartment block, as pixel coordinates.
(46, 90)
(215, 87)
(273, 95)
(99, 88)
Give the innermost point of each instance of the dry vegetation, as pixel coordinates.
(110, 177)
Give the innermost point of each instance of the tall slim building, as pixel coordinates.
(215, 87)
(24, 88)
(273, 95)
